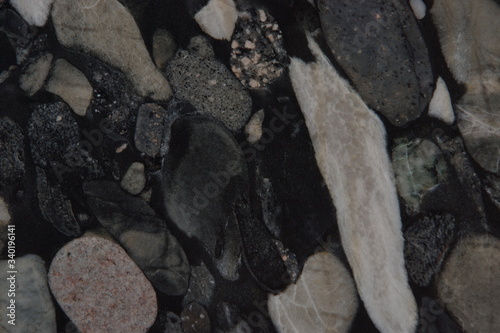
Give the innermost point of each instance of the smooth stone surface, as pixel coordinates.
(440, 105)
(150, 128)
(419, 8)
(164, 48)
(195, 319)
(427, 242)
(253, 128)
(469, 284)
(201, 286)
(324, 299)
(210, 87)
(100, 288)
(11, 151)
(35, 12)
(419, 165)
(34, 310)
(134, 179)
(71, 85)
(350, 144)
(217, 18)
(55, 206)
(134, 223)
(107, 30)
(380, 47)
(200, 174)
(4, 222)
(34, 75)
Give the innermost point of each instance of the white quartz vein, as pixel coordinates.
(350, 144)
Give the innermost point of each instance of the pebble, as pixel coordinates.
(35, 73)
(133, 223)
(201, 286)
(253, 128)
(150, 128)
(34, 310)
(195, 319)
(71, 85)
(86, 25)
(134, 179)
(440, 105)
(217, 18)
(324, 299)
(469, 284)
(11, 152)
(164, 48)
(33, 12)
(100, 288)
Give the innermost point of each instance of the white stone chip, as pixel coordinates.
(35, 12)
(440, 105)
(253, 129)
(218, 18)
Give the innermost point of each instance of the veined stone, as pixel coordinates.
(71, 85)
(217, 18)
(350, 144)
(324, 299)
(33, 77)
(106, 29)
(440, 105)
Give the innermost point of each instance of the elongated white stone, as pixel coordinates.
(217, 18)
(419, 8)
(350, 144)
(440, 105)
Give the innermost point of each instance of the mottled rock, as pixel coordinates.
(469, 284)
(34, 311)
(11, 151)
(33, 76)
(90, 275)
(200, 175)
(164, 48)
(350, 144)
(201, 286)
(440, 105)
(208, 85)
(33, 12)
(217, 18)
(258, 56)
(134, 223)
(150, 128)
(324, 299)
(106, 29)
(4, 222)
(134, 179)
(71, 85)
(418, 165)
(55, 206)
(427, 242)
(381, 49)
(195, 319)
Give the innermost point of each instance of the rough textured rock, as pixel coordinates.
(217, 18)
(4, 222)
(349, 141)
(380, 47)
(195, 319)
(55, 206)
(34, 311)
(90, 275)
(418, 165)
(440, 105)
(164, 48)
(134, 223)
(200, 174)
(469, 284)
(427, 242)
(150, 128)
(11, 151)
(324, 299)
(35, 12)
(106, 29)
(33, 76)
(71, 85)
(201, 286)
(134, 179)
(208, 85)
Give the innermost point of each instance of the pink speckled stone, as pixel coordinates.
(100, 288)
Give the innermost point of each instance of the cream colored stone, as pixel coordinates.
(350, 145)
(440, 105)
(134, 179)
(106, 29)
(71, 85)
(253, 129)
(33, 77)
(324, 299)
(164, 47)
(217, 18)
(469, 284)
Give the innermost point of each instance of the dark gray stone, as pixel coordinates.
(379, 45)
(134, 223)
(201, 286)
(427, 241)
(11, 151)
(227, 315)
(55, 206)
(195, 319)
(149, 129)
